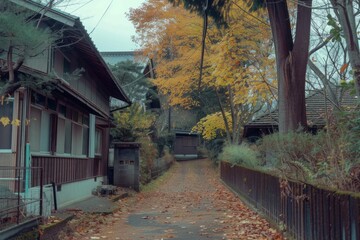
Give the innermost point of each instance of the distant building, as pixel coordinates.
(318, 102)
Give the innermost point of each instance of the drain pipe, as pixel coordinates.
(54, 195)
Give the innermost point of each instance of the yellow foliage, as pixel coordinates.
(212, 126)
(16, 122)
(5, 121)
(237, 58)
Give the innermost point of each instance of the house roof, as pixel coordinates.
(316, 104)
(84, 43)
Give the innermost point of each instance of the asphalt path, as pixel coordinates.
(188, 203)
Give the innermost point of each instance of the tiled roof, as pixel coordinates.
(316, 103)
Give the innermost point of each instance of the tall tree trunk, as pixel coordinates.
(10, 65)
(227, 127)
(233, 114)
(291, 60)
(346, 16)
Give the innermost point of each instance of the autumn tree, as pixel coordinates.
(235, 70)
(291, 53)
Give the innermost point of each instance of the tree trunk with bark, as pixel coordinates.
(291, 59)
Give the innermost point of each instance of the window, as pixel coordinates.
(57, 128)
(85, 146)
(40, 130)
(60, 141)
(72, 132)
(6, 110)
(77, 137)
(68, 136)
(98, 141)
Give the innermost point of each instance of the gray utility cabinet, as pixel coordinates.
(126, 164)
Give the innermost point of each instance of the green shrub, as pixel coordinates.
(148, 153)
(167, 156)
(329, 158)
(240, 155)
(214, 148)
(165, 141)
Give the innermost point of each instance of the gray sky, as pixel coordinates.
(113, 32)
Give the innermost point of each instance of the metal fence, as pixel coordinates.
(302, 210)
(21, 195)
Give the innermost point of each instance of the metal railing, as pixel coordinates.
(301, 210)
(21, 195)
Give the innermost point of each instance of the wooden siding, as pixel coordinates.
(66, 169)
(186, 144)
(40, 62)
(88, 84)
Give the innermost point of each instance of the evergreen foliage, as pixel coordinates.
(130, 76)
(22, 37)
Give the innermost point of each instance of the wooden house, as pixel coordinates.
(66, 132)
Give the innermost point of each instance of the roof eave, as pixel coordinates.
(59, 16)
(117, 91)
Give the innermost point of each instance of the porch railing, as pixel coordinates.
(20, 201)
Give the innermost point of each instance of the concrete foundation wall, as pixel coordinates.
(73, 192)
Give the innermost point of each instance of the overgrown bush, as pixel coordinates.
(330, 158)
(242, 155)
(148, 153)
(214, 148)
(165, 141)
(167, 156)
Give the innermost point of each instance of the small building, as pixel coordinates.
(186, 145)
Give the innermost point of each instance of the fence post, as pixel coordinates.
(27, 169)
(17, 171)
(41, 192)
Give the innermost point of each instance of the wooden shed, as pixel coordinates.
(186, 145)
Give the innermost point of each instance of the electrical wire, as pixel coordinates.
(97, 24)
(82, 6)
(251, 15)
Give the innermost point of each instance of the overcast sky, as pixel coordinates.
(113, 32)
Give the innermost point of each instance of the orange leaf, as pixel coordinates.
(343, 68)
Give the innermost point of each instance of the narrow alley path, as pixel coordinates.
(189, 203)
